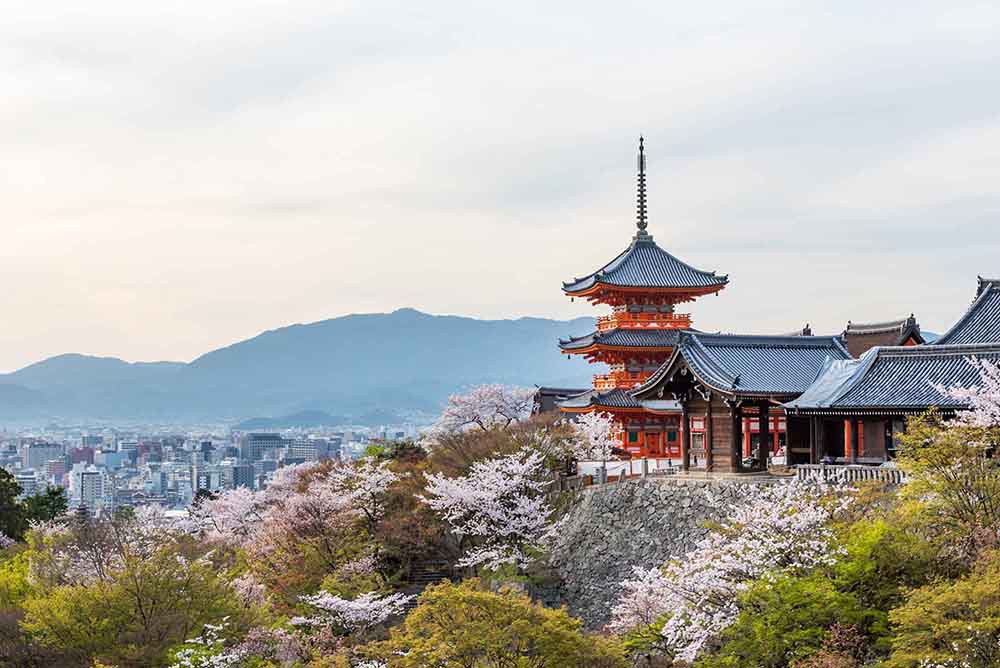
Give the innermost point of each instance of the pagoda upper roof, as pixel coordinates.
(747, 365)
(895, 379)
(624, 338)
(981, 322)
(645, 265)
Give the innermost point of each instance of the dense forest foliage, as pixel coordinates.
(321, 569)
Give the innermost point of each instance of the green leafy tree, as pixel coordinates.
(951, 624)
(785, 621)
(132, 617)
(46, 505)
(882, 560)
(953, 470)
(465, 626)
(12, 520)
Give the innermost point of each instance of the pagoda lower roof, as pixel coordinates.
(894, 379)
(616, 398)
(981, 322)
(645, 265)
(623, 338)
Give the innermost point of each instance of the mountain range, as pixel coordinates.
(358, 366)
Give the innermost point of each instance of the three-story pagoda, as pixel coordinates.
(643, 286)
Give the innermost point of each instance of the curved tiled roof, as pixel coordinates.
(645, 265)
(624, 338)
(981, 323)
(861, 337)
(751, 365)
(616, 398)
(903, 378)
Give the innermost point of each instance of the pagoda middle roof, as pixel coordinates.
(645, 265)
(981, 322)
(624, 338)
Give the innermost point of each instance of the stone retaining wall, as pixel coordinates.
(641, 522)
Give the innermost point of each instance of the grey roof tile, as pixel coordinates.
(624, 338)
(645, 265)
(903, 378)
(751, 365)
(616, 398)
(981, 322)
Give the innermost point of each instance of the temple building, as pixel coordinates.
(857, 408)
(728, 403)
(861, 338)
(643, 286)
(725, 383)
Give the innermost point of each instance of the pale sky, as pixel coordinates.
(178, 176)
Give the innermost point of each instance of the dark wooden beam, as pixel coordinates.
(685, 436)
(736, 438)
(764, 444)
(709, 433)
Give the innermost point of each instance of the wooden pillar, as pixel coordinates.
(685, 437)
(764, 445)
(855, 428)
(812, 440)
(820, 438)
(709, 433)
(736, 444)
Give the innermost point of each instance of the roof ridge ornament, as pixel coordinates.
(640, 209)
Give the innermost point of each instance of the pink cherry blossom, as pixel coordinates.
(596, 436)
(360, 614)
(500, 505)
(777, 528)
(485, 407)
(983, 399)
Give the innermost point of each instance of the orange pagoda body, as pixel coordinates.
(643, 285)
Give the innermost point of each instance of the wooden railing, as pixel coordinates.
(643, 321)
(849, 473)
(623, 379)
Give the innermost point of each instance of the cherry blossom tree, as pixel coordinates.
(983, 399)
(597, 435)
(485, 407)
(777, 528)
(64, 553)
(500, 506)
(354, 616)
(233, 517)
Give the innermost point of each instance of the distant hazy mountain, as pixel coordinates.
(359, 366)
(300, 419)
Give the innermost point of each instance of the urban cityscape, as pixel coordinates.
(109, 469)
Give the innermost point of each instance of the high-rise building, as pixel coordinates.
(92, 483)
(35, 455)
(28, 482)
(256, 446)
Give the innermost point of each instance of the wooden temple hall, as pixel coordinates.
(732, 403)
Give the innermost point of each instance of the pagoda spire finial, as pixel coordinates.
(641, 221)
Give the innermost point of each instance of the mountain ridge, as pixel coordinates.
(402, 361)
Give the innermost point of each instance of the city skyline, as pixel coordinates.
(176, 182)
